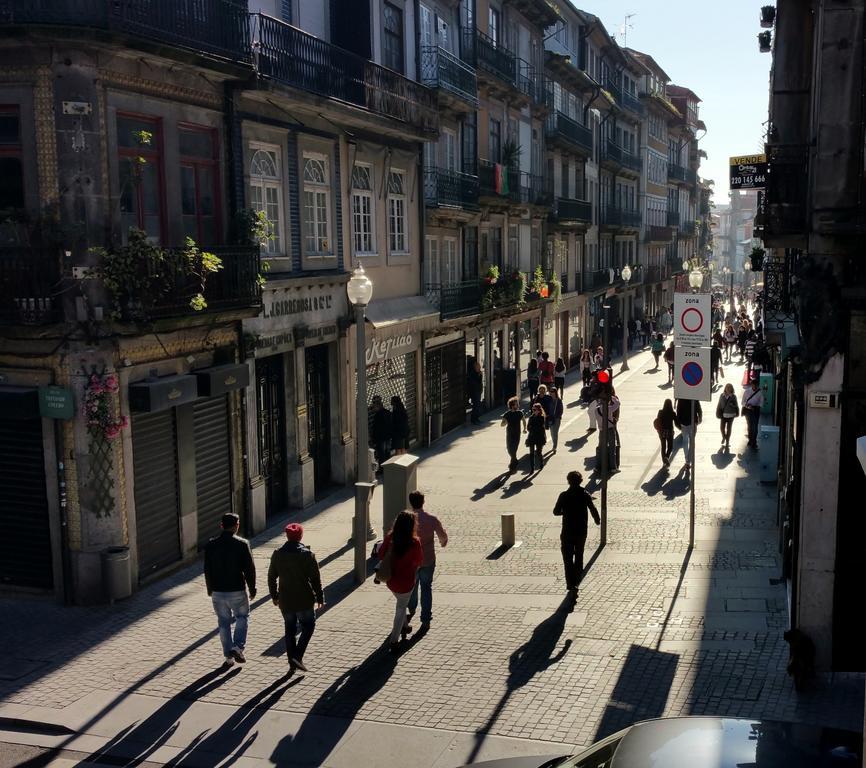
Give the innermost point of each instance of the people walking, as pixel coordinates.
(554, 416)
(742, 336)
(687, 428)
(613, 443)
(536, 436)
(546, 370)
(599, 361)
(715, 363)
(585, 367)
(429, 528)
(532, 380)
(727, 410)
(399, 426)
(670, 356)
(229, 572)
(559, 376)
(402, 547)
(295, 585)
(380, 431)
(665, 322)
(658, 347)
(543, 398)
(475, 387)
(753, 401)
(515, 423)
(664, 426)
(574, 506)
(730, 342)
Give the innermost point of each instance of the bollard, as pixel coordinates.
(400, 478)
(508, 529)
(360, 526)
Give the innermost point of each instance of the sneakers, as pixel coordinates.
(298, 664)
(406, 631)
(229, 662)
(238, 655)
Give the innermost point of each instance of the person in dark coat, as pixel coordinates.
(537, 428)
(475, 386)
(514, 422)
(715, 362)
(684, 422)
(666, 419)
(532, 379)
(573, 505)
(399, 426)
(295, 586)
(380, 431)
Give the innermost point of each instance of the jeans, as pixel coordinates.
(753, 416)
(227, 605)
(402, 599)
(425, 583)
(554, 432)
(295, 647)
(688, 433)
(572, 558)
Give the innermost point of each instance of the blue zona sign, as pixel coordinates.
(692, 374)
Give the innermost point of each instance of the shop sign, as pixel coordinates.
(382, 349)
(56, 403)
(288, 307)
(748, 172)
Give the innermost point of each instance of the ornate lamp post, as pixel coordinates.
(626, 276)
(359, 289)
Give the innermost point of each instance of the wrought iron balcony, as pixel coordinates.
(659, 234)
(682, 175)
(596, 280)
(673, 219)
(458, 299)
(215, 27)
(29, 285)
(653, 274)
(785, 209)
(613, 88)
(532, 189)
(633, 104)
(570, 211)
(441, 69)
(293, 57)
(444, 187)
(561, 127)
(508, 185)
(688, 228)
(622, 218)
(617, 155)
(495, 58)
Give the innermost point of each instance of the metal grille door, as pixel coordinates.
(157, 505)
(319, 413)
(446, 383)
(395, 376)
(213, 476)
(272, 430)
(25, 547)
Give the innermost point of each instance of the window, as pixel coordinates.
(362, 210)
(198, 183)
(139, 145)
(513, 245)
(432, 276)
(496, 246)
(11, 164)
(495, 141)
(493, 25)
(448, 141)
(266, 194)
(397, 212)
(317, 187)
(392, 39)
(450, 265)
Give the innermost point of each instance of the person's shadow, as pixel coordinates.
(677, 485)
(722, 459)
(534, 656)
(494, 485)
(655, 484)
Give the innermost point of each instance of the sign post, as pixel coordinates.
(748, 172)
(692, 319)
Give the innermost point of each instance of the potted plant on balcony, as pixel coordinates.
(537, 286)
(757, 257)
(764, 39)
(555, 290)
(768, 16)
(490, 288)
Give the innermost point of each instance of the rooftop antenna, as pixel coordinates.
(626, 26)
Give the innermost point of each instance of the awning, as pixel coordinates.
(416, 310)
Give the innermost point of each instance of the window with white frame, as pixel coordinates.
(363, 241)
(398, 241)
(450, 265)
(432, 276)
(266, 194)
(317, 190)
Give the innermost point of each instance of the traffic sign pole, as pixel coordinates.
(692, 479)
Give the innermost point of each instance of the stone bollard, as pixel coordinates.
(400, 478)
(508, 529)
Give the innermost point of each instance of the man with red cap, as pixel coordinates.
(296, 587)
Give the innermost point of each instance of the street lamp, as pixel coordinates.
(696, 279)
(626, 276)
(359, 289)
(604, 378)
(747, 278)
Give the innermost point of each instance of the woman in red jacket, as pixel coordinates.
(405, 561)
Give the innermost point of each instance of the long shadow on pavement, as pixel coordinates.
(534, 656)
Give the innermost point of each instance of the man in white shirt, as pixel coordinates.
(753, 401)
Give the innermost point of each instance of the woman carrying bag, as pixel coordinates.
(585, 367)
(400, 556)
(559, 376)
(658, 346)
(727, 410)
(664, 426)
(536, 426)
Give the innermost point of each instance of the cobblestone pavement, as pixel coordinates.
(656, 630)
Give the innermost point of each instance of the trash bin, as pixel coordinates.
(768, 452)
(116, 574)
(767, 385)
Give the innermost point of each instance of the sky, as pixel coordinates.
(710, 46)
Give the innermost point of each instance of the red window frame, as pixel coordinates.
(197, 163)
(151, 155)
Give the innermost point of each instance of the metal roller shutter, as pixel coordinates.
(453, 385)
(25, 547)
(213, 483)
(157, 505)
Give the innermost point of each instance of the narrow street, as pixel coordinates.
(506, 669)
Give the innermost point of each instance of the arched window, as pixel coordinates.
(266, 194)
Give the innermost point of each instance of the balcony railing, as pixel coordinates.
(444, 187)
(532, 189)
(595, 280)
(673, 219)
(570, 211)
(441, 69)
(495, 58)
(785, 199)
(633, 104)
(29, 285)
(235, 286)
(295, 58)
(216, 27)
(561, 126)
(687, 227)
(508, 187)
(459, 299)
(620, 217)
(612, 87)
(653, 274)
(622, 157)
(659, 234)
(685, 175)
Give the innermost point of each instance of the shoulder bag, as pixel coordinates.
(383, 572)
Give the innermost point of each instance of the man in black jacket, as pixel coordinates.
(574, 505)
(228, 572)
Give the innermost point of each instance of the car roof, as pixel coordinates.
(716, 742)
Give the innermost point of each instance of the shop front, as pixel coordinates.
(297, 418)
(445, 391)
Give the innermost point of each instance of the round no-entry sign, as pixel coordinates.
(692, 374)
(692, 320)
